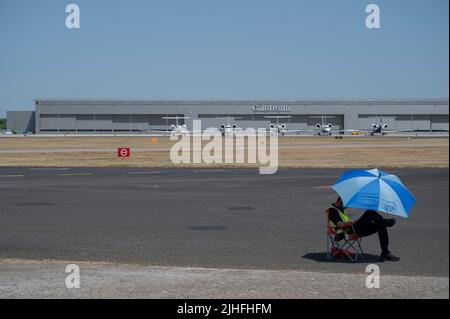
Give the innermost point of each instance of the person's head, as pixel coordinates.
(339, 203)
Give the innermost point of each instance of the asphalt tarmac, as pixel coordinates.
(211, 218)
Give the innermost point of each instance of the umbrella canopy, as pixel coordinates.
(374, 189)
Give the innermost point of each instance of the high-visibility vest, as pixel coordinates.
(345, 218)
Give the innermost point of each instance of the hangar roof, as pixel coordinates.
(245, 101)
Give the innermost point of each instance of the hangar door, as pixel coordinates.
(439, 122)
(413, 122)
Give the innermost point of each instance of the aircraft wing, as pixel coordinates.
(298, 131)
(316, 130)
(160, 131)
(397, 131)
(385, 131)
(346, 130)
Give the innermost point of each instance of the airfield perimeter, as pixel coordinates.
(94, 151)
(147, 229)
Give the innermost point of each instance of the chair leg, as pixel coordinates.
(361, 251)
(329, 247)
(351, 248)
(347, 252)
(331, 244)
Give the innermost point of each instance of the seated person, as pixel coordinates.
(371, 222)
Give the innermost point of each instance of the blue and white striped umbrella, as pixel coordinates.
(374, 189)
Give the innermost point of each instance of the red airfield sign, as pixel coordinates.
(123, 152)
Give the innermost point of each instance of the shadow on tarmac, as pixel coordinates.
(322, 257)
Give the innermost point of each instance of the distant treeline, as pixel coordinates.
(2, 124)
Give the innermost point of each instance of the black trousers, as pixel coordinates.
(370, 223)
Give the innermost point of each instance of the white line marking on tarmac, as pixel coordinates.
(75, 174)
(323, 187)
(152, 172)
(208, 170)
(12, 176)
(48, 169)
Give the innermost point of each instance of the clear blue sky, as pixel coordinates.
(222, 49)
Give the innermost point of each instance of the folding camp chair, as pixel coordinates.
(349, 246)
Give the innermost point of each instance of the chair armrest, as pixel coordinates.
(348, 224)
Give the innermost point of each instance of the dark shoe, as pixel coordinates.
(390, 222)
(339, 236)
(389, 257)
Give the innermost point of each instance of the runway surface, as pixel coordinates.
(218, 218)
